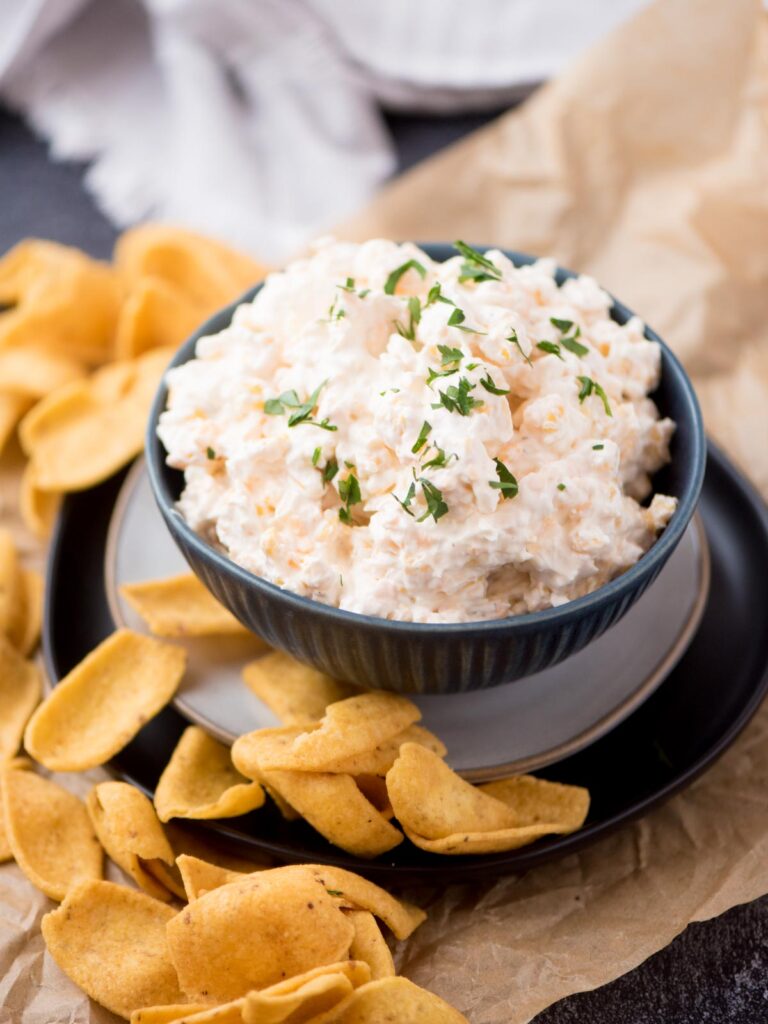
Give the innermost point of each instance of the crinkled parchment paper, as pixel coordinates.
(646, 165)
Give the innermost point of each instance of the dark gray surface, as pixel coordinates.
(715, 972)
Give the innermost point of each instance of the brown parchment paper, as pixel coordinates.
(645, 164)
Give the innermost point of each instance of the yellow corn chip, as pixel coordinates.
(393, 999)
(155, 314)
(369, 946)
(350, 727)
(374, 788)
(84, 432)
(301, 1005)
(206, 272)
(181, 606)
(104, 701)
(357, 893)
(337, 809)
(201, 782)
(167, 1014)
(285, 915)
(249, 749)
(12, 591)
(200, 876)
(38, 508)
(20, 689)
(49, 833)
(295, 692)
(33, 605)
(34, 370)
(5, 847)
(539, 802)
(12, 408)
(61, 300)
(355, 971)
(430, 799)
(128, 829)
(380, 759)
(111, 941)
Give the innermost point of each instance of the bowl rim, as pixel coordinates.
(578, 608)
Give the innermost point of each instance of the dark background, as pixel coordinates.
(715, 972)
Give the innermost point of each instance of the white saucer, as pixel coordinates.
(520, 726)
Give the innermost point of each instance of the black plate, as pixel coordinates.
(690, 720)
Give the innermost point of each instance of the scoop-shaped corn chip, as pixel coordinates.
(494, 841)
(539, 802)
(355, 971)
(12, 408)
(6, 853)
(104, 701)
(38, 508)
(357, 893)
(350, 727)
(84, 432)
(20, 688)
(155, 314)
(337, 809)
(35, 371)
(301, 1005)
(12, 592)
(297, 693)
(393, 999)
(181, 606)
(201, 782)
(374, 788)
(369, 946)
(61, 300)
(33, 608)
(255, 932)
(430, 799)
(208, 273)
(380, 759)
(111, 941)
(200, 876)
(169, 1014)
(128, 829)
(49, 833)
(249, 749)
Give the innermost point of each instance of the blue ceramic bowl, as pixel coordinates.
(442, 658)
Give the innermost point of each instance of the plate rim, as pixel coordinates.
(480, 867)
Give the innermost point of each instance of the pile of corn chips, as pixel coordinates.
(83, 345)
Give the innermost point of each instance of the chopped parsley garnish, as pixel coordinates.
(514, 340)
(414, 312)
(330, 469)
(435, 295)
(433, 496)
(349, 492)
(210, 453)
(334, 892)
(450, 355)
(335, 314)
(303, 410)
(561, 487)
(488, 384)
(316, 456)
(421, 440)
(574, 346)
(390, 391)
(405, 503)
(506, 483)
(457, 318)
(439, 460)
(562, 325)
(458, 398)
(550, 347)
(589, 387)
(433, 375)
(394, 277)
(597, 447)
(476, 267)
(349, 286)
(472, 366)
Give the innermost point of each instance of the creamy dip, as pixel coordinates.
(434, 442)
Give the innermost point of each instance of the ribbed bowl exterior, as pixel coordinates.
(418, 658)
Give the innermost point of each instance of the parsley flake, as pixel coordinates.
(330, 470)
(551, 348)
(562, 325)
(405, 503)
(597, 447)
(276, 406)
(334, 892)
(458, 398)
(316, 456)
(506, 483)
(421, 440)
(457, 318)
(210, 453)
(450, 355)
(440, 460)
(476, 267)
(561, 487)
(414, 312)
(489, 385)
(514, 340)
(394, 277)
(433, 496)
(574, 346)
(589, 387)
(303, 410)
(349, 492)
(435, 295)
